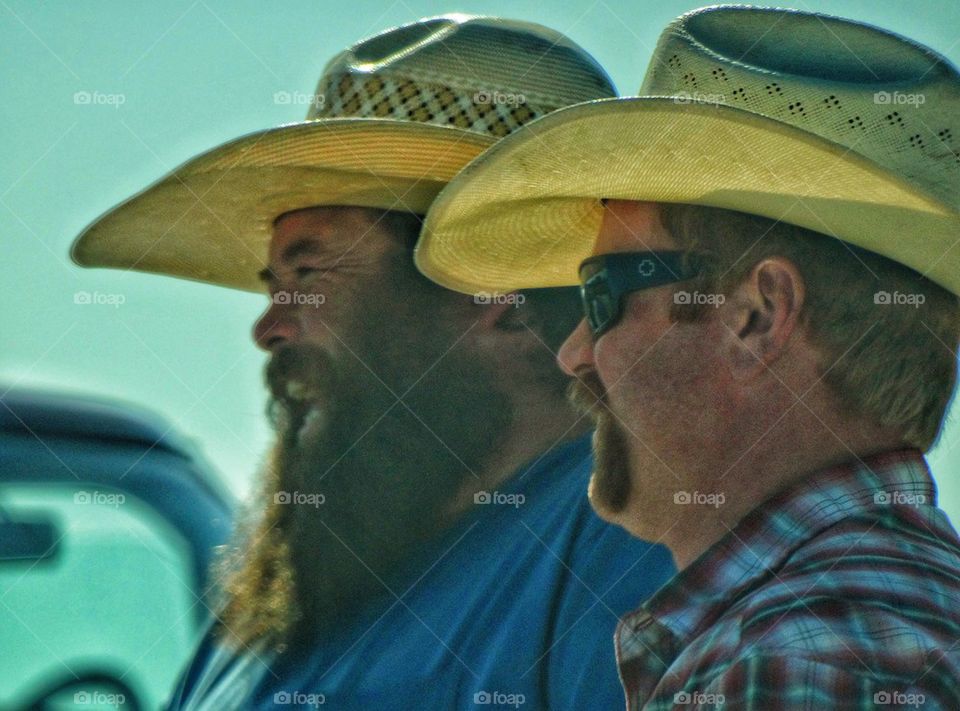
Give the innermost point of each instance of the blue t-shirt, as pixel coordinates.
(516, 606)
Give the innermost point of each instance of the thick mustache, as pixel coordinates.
(587, 393)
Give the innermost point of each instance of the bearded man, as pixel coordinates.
(422, 538)
(769, 347)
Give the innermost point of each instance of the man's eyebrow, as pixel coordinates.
(298, 248)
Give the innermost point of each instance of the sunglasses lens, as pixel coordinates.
(599, 306)
(602, 313)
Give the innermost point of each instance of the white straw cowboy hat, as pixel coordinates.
(395, 117)
(825, 123)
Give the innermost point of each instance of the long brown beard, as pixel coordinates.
(297, 569)
(256, 567)
(610, 483)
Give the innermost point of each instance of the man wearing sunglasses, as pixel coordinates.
(769, 347)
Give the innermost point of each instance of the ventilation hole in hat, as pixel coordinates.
(916, 141)
(521, 114)
(796, 108)
(855, 122)
(773, 88)
(945, 135)
(674, 61)
(373, 86)
(739, 93)
(408, 90)
(353, 104)
(689, 78)
(419, 114)
(895, 119)
(718, 73)
(832, 102)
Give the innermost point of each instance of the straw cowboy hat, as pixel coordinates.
(825, 123)
(395, 117)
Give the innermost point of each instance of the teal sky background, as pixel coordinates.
(193, 74)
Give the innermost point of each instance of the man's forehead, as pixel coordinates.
(331, 229)
(632, 226)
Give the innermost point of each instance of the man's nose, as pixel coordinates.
(577, 351)
(277, 326)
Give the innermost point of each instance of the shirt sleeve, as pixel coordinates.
(795, 683)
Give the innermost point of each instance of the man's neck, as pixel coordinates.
(536, 430)
(747, 484)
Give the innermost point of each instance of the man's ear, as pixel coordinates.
(762, 314)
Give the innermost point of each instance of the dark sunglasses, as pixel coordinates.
(607, 278)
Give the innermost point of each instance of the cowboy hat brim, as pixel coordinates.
(210, 219)
(527, 212)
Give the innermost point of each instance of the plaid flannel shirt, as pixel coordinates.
(840, 592)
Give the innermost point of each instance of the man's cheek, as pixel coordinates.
(621, 395)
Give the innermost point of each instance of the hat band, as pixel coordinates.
(354, 95)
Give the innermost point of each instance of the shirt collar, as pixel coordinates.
(770, 533)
